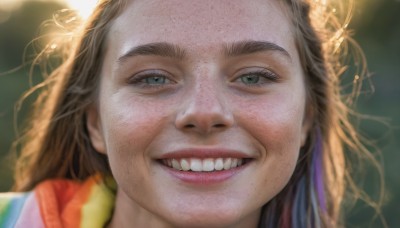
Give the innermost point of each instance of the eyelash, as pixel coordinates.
(138, 80)
(264, 74)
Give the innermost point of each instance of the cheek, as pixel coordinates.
(275, 121)
(131, 119)
(129, 126)
(276, 125)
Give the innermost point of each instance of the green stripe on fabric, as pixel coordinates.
(5, 204)
(11, 205)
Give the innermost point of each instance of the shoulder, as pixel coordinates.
(19, 210)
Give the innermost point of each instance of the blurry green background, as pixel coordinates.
(377, 29)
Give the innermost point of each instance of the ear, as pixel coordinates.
(93, 125)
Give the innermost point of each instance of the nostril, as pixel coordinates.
(193, 126)
(190, 126)
(219, 125)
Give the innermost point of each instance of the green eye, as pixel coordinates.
(250, 79)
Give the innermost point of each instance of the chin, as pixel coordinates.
(210, 217)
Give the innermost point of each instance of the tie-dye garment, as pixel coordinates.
(59, 203)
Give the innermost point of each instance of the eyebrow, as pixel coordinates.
(165, 49)
(250, 47)
(161, 49)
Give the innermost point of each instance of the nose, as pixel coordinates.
(204, 111)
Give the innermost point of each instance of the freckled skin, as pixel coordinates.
(134, 125)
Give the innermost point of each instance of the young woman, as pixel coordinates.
(190, 114)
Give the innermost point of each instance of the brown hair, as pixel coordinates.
(57, 145)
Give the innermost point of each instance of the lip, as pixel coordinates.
(204, 178)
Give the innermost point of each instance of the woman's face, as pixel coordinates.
(201, 109)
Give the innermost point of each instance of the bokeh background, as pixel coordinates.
(377, 29)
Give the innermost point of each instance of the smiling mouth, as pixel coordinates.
(204, 165)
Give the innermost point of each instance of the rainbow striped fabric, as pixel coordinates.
(59, 203)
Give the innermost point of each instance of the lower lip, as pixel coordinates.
(204, 178)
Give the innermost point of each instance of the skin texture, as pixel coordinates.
(202, 104)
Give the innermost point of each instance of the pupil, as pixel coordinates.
(250, 79)
(156, 80)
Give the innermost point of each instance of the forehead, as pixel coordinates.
(200, 23)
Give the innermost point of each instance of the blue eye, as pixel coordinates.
(152, 79)
(155, 80)
(250, 79)
(257, 78)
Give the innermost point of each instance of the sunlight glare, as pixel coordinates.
(84, 7)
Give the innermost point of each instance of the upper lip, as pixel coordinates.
(204, 153)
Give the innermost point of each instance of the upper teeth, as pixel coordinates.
(201, 165)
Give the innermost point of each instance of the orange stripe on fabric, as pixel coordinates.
(72, 214)
(62, 202)
(54, 196)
